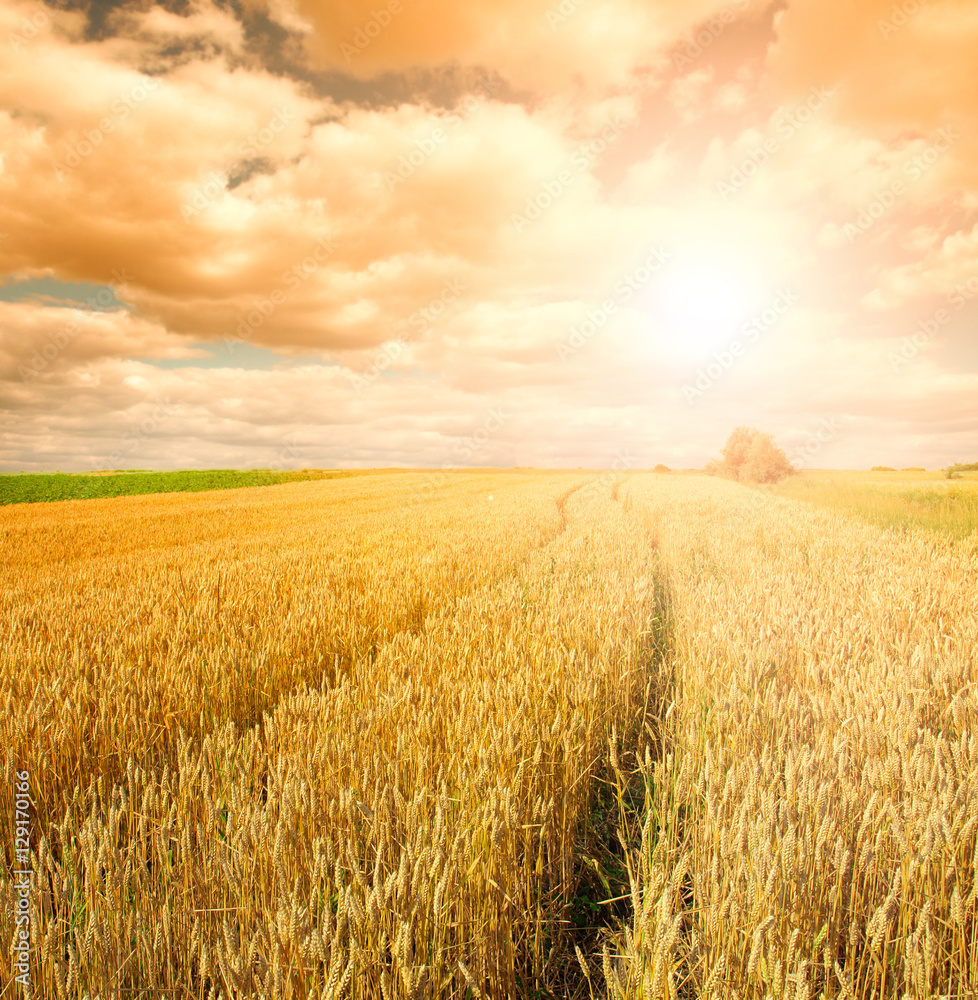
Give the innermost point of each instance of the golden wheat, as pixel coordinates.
(821, 763)
(348, 738)
(400, 823)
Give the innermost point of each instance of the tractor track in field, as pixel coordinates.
(562, 509)
(600, 854)
(602, 904)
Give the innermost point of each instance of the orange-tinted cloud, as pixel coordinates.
(418, 263)
(545, 45)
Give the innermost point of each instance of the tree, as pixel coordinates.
(765, 462)
(737, 446)
(716, 467)
(750, 456)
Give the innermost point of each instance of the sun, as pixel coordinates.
(704, 297)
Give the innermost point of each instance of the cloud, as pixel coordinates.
(38, 340)
(412, 210)
(899, 67)
(949, 267)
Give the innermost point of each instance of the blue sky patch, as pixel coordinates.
(232, 355)
(52, 292)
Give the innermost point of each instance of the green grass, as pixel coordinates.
(898, 501)
(44, 488)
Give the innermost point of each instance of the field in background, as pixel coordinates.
(896, 500)
(47, 488)
(528, 735)
(40, 487)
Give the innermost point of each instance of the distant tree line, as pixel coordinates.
(954, 471)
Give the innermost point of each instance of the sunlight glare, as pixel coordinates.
(705, 297)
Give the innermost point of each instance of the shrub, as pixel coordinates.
(737, 446)
(717, 468)
(882, 468)
(750, 456)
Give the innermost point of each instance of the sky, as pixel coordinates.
(551, 233)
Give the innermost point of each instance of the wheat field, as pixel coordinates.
(489, 735)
